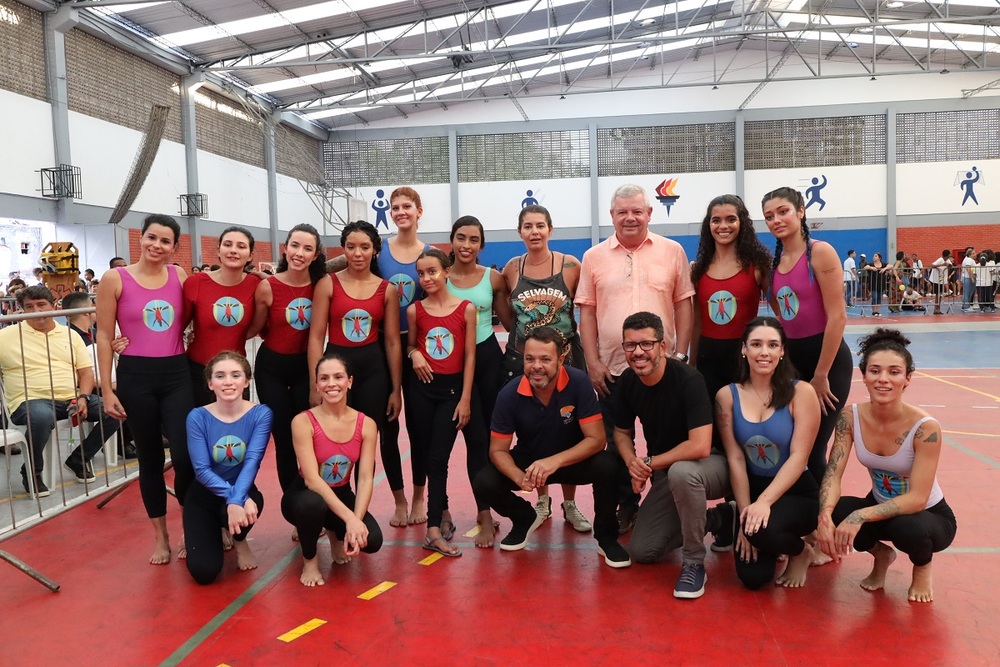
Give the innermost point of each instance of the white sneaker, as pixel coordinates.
(574, 516)
(543, 508)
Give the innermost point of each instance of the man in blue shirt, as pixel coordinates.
(553, 410)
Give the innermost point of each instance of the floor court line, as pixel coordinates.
(960, 386)
(973, 454)
(303, 629)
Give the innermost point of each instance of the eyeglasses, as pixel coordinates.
(628, 265)
(644, 345)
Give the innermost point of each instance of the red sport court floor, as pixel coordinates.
(555, 603)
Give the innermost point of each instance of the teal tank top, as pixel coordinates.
(481, 296)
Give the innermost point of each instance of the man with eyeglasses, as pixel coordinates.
(670, 400)
(633, 270)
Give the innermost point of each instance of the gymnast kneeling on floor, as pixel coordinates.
(226, 440)
(331, 441)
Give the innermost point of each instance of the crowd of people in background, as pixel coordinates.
(907, 283)
(397, 328)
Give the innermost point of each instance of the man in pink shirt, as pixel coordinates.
(634, 270)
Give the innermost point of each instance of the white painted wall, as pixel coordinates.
(849, 191)
(498, 204)
(435, 198)
(693, 192)
(937, 188)
(26, 143)
(294, 205)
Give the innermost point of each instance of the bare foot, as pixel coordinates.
(161, 554)
(337, 550)
(795, 573)
(295, 534)
(182, 551)
(244, 556)
(310, 573)
(819, 557)
(399, 518)
(484, 538)
(921, 588)
(418, 513)
(884, 556)
(438, 542)
(227, 540)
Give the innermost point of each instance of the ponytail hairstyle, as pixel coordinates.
(793, 197)
(368, 229)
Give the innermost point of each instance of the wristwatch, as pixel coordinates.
(680, 356)
(648, 461)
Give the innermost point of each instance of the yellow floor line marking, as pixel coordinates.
(473, 532)
(309, 626)
(960, 386)
(223, 665)
(430, 560)
(985, 435)
(378, 590)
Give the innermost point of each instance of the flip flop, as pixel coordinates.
(448, 529)
(430, 545)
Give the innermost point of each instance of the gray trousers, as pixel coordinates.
(673, 513)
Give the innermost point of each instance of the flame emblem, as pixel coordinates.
(665, 193)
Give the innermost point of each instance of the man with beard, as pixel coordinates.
(669, 398)
(554, 413)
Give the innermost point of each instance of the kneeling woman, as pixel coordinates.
(906, 506)
(768, 422)
(330, 440)
(226, 440)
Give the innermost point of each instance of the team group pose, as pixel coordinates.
(401, 331)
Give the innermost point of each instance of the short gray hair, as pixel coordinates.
(627, 191)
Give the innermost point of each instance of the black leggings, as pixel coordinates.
(156, 395)
(804, 353)
(390, 437)
(918, 535)
(369, 395)
(204, 514)
(793, 515)
(486, 386)
(308, 512)
(283, 386)
(434, 434)
(718, 361)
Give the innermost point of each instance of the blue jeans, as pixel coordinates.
(41, 414)
(968, 292)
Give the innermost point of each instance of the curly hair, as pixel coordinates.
(749, 249)
(368, 229)
(882, 339)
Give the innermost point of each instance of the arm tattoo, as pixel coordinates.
(722, 416)
(885, 510)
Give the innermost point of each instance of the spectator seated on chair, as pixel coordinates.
(45, 369)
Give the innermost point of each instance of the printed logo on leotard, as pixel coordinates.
(889, 484)
(228, 311)
(356, 325)
(229, 451)
(439, 343)
(405, 287)
(335, 469)
(788, 303)
(158, 315)
(722, 307)
(761, 452)
(298, 313)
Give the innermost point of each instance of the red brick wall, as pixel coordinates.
(928, 242)
(182, 254)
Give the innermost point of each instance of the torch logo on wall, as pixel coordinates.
(665, 193)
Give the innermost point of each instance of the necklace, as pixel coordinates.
(763, 402)
(547, 258)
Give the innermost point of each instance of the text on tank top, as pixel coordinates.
(541, 302)
(800, 300)
(336, 459)
(149, 318)
(767, 444)
(479, 295)
(288, 319)
(442, 339)
(221, 315)
(727, 305)
(356, 322)
(891, 474)
(404, 277)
